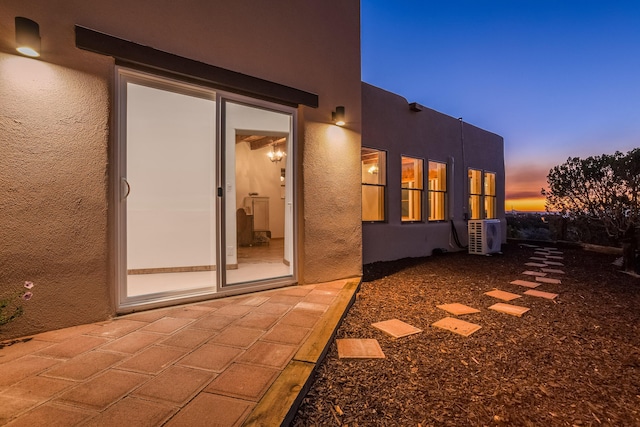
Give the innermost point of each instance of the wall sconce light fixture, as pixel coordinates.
(338, 116)
(27, 37)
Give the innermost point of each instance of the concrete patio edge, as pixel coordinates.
(281, 401)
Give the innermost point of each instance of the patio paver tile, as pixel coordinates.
(23, 348)
(236, 310)
(503, 295)
(153, 359)
(19, 369)
(396, 328)
(167, 325)
(547, 295)
(72, 347)
(50, 416)
(525, 283)
(211, 357)
(261, 321)
(458, 309)
(84, 366)
(268, 354)
(255, 301)
(132, 342)
(188, 338)
(270, 308)
(286, 334)
(188, 313)
(66, 333)
(176, 384)
(237, 336)
(549, 280)
(37, 388)
(535, 264)
(457, 326)
(12, 406)
(305, 305)
(133, 412)
(303, 318)
(534, 273)
(103, 390)
(117, 328)
(514, 310)
(243, 381)
(355, 348)
(208, 410)
(290, 300)
(553, 270)
(213, 322)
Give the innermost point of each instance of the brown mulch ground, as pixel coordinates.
(572, 361)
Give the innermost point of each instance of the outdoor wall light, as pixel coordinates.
(27, 37)
(338, 116)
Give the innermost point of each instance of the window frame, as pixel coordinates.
(431, 191)
(483, 195)
(412, 192)
(382, 186)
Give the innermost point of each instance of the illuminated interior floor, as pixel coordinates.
(254, 263)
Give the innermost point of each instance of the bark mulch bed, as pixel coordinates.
(571, 361)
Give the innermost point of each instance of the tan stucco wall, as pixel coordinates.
(389, 124)
(56, 137)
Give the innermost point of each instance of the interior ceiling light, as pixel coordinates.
(27, 37)
(338, 116)
(276, 156)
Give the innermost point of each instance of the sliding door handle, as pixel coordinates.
(128, 188)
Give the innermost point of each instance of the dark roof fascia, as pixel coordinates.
(146, 58)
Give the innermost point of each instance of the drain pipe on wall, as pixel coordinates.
(454, 231)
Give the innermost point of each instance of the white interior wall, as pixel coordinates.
(255, 173)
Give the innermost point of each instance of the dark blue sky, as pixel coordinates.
(554, 78)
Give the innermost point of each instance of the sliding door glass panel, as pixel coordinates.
(170, 175)
(258, 194)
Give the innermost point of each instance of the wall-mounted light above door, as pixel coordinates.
(27, 37)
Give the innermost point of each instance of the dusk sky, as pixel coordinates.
(555, 78)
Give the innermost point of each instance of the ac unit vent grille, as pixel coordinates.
(484, 236)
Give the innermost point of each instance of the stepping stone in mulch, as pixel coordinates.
(526, 245)
(552, 270)
(555, 257)
(558, 264)
(534, 273)
(543, 253)
(550, 249)
(525, 283)
(547, 295)
(457, 308)
(537, 258)
(548, 280)
(396, 328)
(514, 310)
(353, 348)
(535, 264)
(503, 295)
(457, 326)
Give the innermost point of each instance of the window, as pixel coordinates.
(482, 194)
(412, 188)
(490, 195)
(374, 181)
(437, 190)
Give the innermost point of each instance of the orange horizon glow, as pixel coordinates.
(528, 204)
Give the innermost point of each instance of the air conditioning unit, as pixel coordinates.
(484, 236)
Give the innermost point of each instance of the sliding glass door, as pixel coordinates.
(195, 214)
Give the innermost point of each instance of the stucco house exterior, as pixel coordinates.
(157, 154)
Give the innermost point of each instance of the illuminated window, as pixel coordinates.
(412, 188)
(490, 195)
(482, 194)
(374, 181)
(475, 194)
(437, 190)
